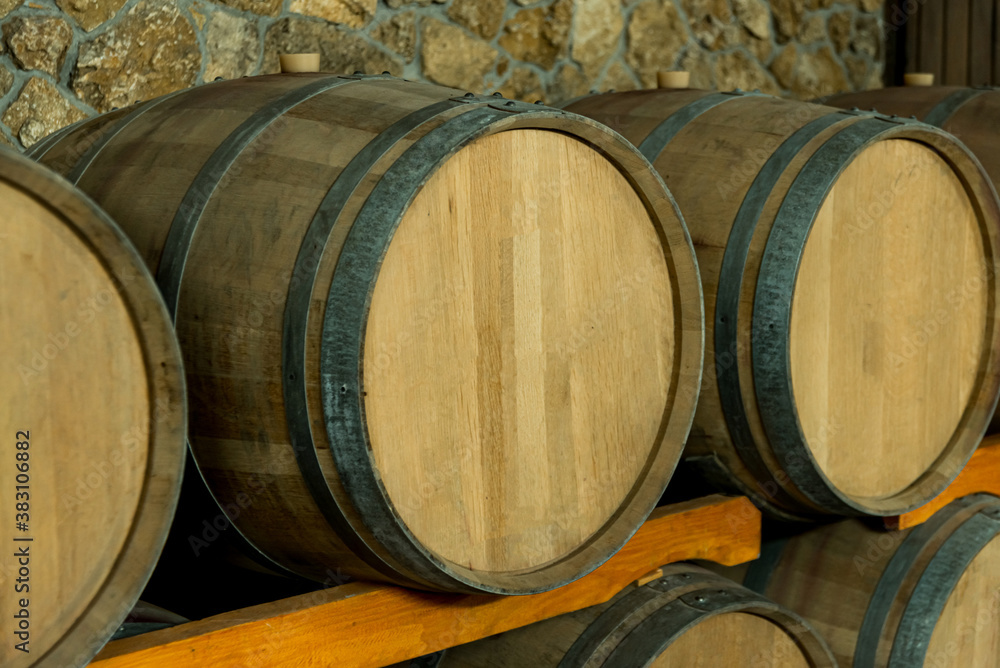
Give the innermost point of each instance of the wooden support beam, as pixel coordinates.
(981, 475)
(363, 624)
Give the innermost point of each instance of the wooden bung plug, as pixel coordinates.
(673, 79)
(918, 79)
(299, 62)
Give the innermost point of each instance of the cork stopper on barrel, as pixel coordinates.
(299, 62)
(673, 79)
(918, 79)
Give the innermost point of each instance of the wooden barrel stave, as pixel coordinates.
(230, 456)
(73, 143)
(736, 437)
(692, 168)
(274, 278)
(918, 100)
(665, 623)
(745, 261)
(292, 146)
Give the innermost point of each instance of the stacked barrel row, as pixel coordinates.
(456, 342)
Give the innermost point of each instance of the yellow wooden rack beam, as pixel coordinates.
(364, 624)
(981, 475)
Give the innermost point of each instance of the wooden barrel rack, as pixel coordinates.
(365, 624)
(346, 625)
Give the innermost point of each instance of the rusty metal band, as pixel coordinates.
(771, 326)
(186, 219)
(343, 336)
(945, 109)
(294, 330)
(727, 306)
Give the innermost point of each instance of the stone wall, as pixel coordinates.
(62, 60)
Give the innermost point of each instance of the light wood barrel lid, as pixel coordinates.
(519, 352)
(889, 319)
(734, 640)
(93, 398)
(968, 631)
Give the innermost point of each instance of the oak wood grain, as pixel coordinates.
(752, 642)
(559, 293)
(830, 574)
(968, 631)
(974, 122)
(862, 381)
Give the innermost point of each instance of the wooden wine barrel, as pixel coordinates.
(849, 264)
(431, 338)
(927, 596)
(688, 617)
(93, 421)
